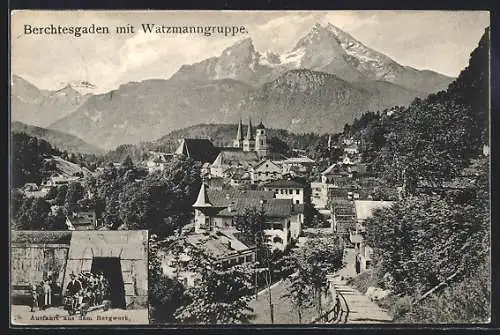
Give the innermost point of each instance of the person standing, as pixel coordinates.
(47, 294)
(73, 289)
(103, 287)
(34, 297)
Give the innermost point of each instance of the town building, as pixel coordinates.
(218, 209)
(265, 171)
(229, 158)
(82, 220)
(219, 248)
(297, 166)
(287, 189)
(199, 149)
(157, 161)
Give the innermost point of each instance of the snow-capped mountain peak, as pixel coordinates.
(324, 48)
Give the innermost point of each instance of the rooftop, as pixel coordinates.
(277, 208)
(217, 244)
(299, 160)
(236, 157)
(199, 149)
(284, 183)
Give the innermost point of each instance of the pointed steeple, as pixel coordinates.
(239, 135)
(202, 200)
(249, 130)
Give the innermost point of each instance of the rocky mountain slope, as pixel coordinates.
(42, 107)
(138, 112)
(325, 48)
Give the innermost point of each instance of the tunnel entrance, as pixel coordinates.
(112, 271)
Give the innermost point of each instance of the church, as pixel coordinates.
(237, 162)
(251, 143)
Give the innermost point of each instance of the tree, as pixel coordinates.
(299, 293)
(423, 240)
(222, 293)
(38, 214)
(221, 297)
(276, 145)
(73, 195)
(166, 295)
(311, 264)
(250, 224)
(128, 163)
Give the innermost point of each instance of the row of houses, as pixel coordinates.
(248, 162)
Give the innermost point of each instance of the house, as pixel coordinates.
(30, 187)
(237, 176)
(221, 248)
(58, 180)
(287, 189)
(297, 166)
(157, 161)
(332, 173)
(218, 209)
(198, 149)
(352, 148)
(319, 194)
(229, 158)
(364, 209)
(82, 220)
(265, 171)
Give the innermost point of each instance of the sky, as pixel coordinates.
(436, 40)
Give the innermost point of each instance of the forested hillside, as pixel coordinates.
(431, 249)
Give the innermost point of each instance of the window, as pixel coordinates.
(297, 191)
(281, 191)
(297, 202)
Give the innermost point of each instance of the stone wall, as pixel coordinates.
(130, 246)
(31, 263)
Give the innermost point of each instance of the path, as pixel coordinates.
(361, 308)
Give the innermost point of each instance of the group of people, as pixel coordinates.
(42, 293)
(89, 288)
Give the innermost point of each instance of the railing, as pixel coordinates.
(338, 314)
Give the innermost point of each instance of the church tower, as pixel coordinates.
(238, 142)
(261, 140)
(249, 141)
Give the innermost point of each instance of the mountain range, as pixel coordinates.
(38, 107)
(326, 80)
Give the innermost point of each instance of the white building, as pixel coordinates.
(287, 189)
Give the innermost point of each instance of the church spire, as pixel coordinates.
(249, 131)
(239, 135)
